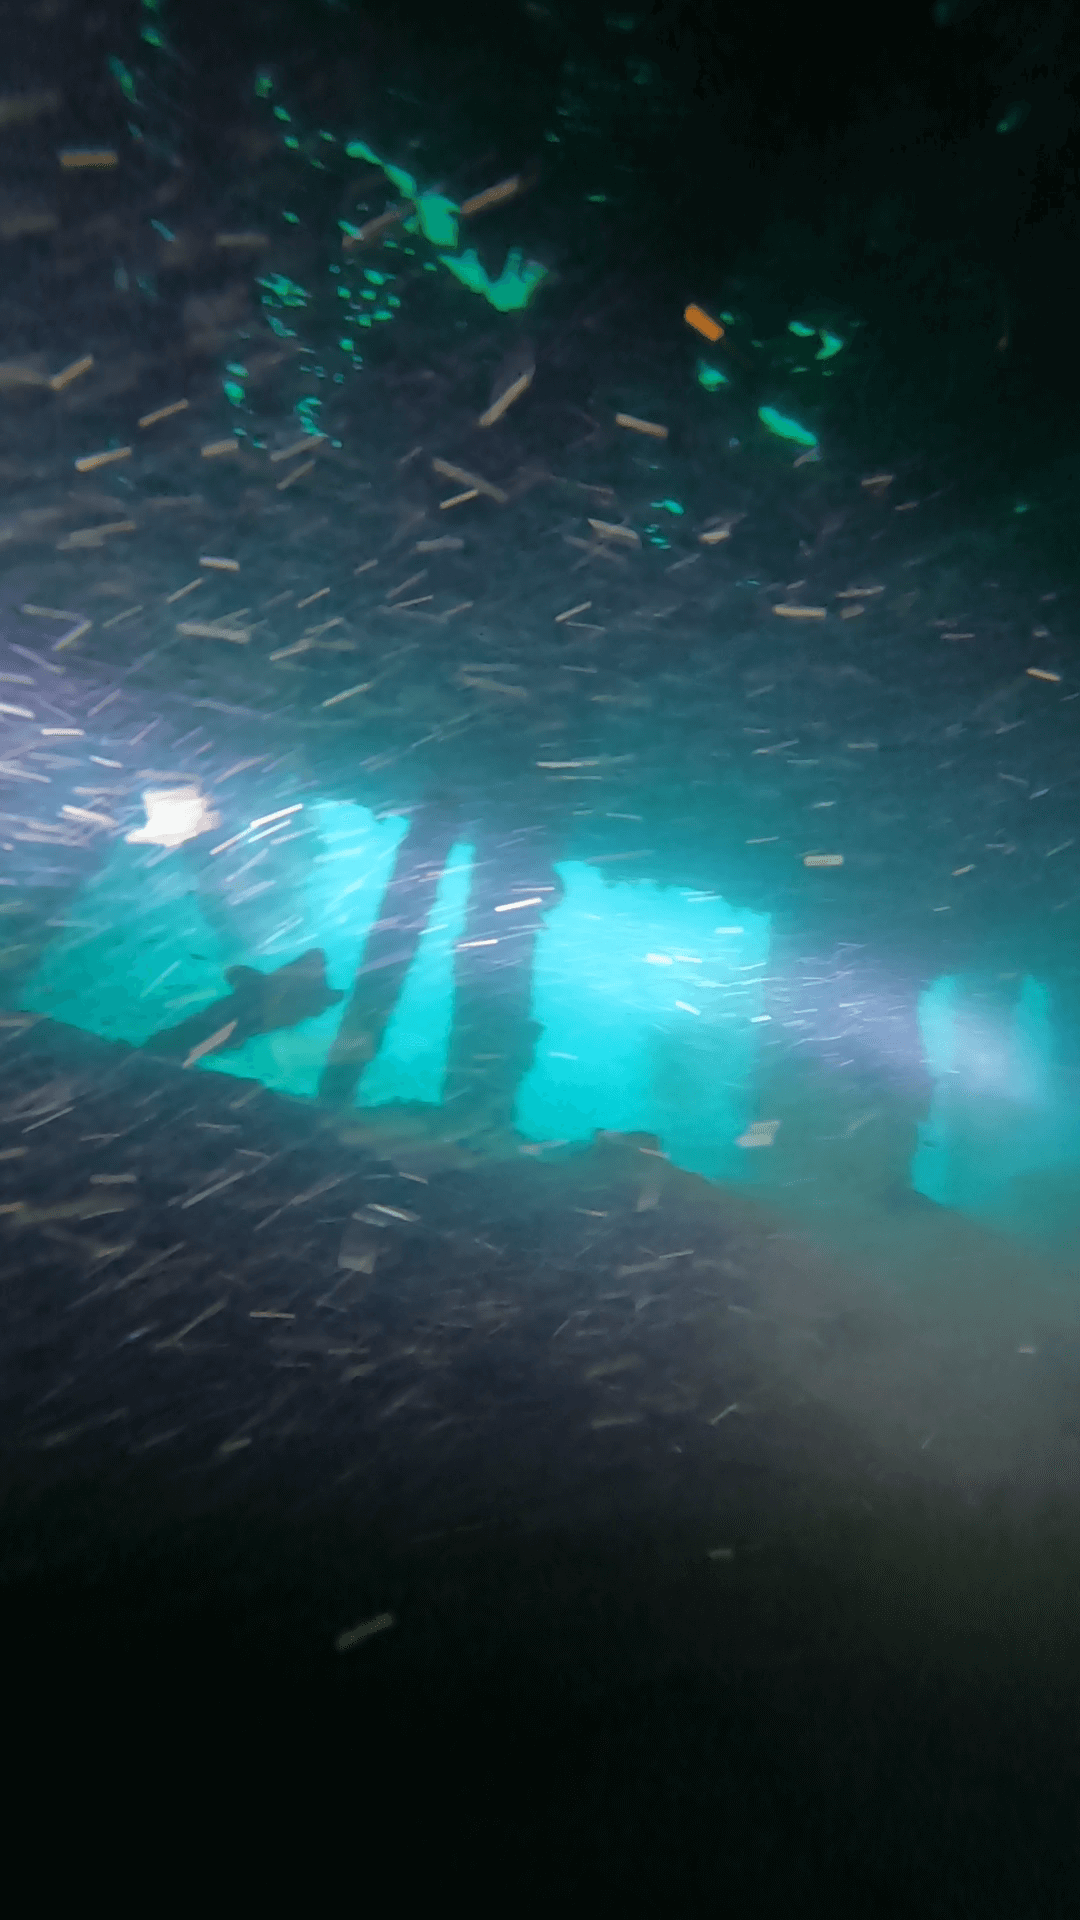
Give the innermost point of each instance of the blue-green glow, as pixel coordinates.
(800, 327)
(513, 289)
(438, 219)
(125, 80)
(711, 377)
(163, 230)
(831, 344)
(285, 290)
(669, 506)
(398, 178)
(1015, 117)
(785, 428)
(435, 214)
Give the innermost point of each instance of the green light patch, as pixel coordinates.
(786, 428)
(398, 178)
(125, 80)
(438, 219)
(711, 378)
(285, 290)
(831, 344)
(513, 289)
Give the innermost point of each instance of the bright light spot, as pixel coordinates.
(173, 816)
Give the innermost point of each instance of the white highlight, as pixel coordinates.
(174, 815)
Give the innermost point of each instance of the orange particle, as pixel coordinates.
(703, 323)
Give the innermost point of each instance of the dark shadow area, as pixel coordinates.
(485, 1498)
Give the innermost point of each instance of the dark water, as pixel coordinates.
(541, 1014)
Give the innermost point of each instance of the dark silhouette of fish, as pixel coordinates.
(258, 1003)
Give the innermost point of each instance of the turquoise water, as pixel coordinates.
(652, 1002)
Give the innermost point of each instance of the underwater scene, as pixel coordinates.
(540, 929)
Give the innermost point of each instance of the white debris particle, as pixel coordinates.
(364, 1630)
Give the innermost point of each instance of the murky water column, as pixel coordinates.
(844, 1084)
(1001, 1140)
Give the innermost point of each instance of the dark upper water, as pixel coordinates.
(541, 1012)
